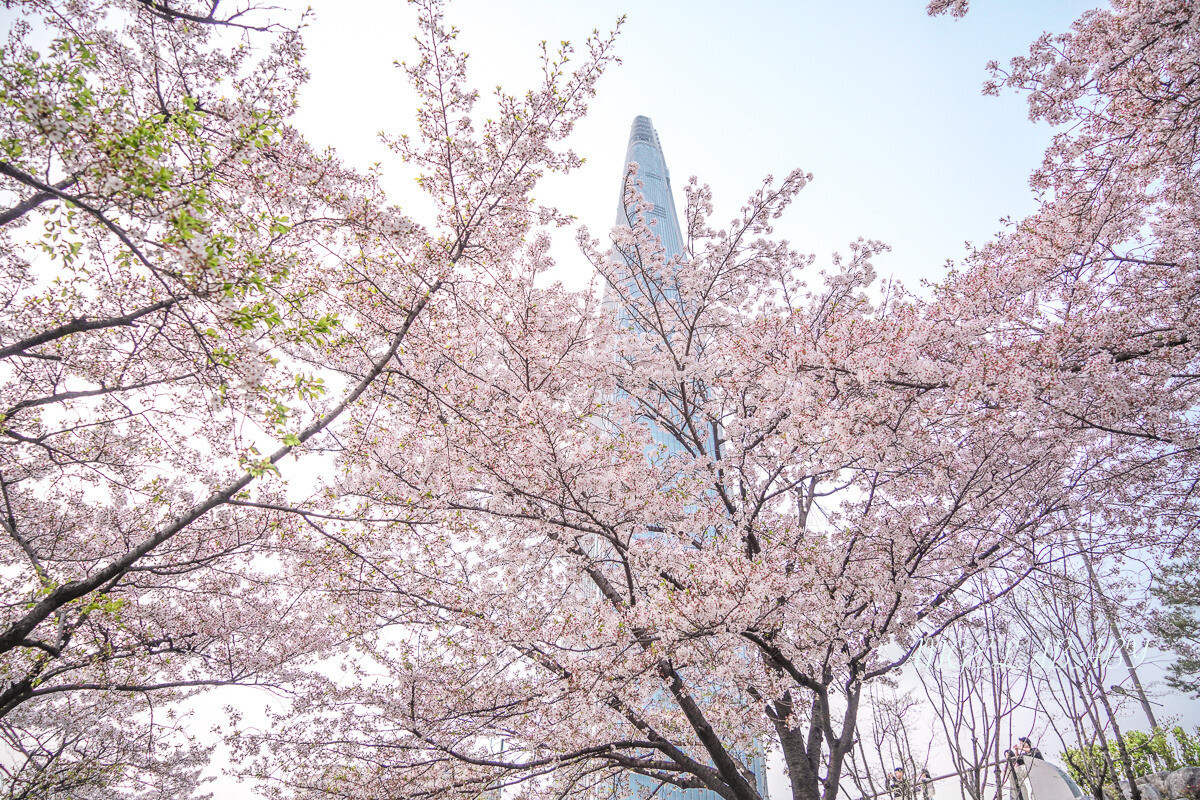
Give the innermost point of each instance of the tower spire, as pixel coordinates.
(645, 150)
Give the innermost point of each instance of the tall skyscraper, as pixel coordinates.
(645, 150)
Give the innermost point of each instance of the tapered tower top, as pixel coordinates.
(645, 150)
(643, 131)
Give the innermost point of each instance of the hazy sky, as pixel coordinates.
(879, 101)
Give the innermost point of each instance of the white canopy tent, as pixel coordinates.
(1036, 779)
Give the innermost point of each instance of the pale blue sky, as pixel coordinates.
(880, 102)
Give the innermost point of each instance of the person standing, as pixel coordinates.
(897, 785)
(926, 784)
(1025, 748)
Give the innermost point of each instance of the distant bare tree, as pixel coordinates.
(884, 741)
(975, 677)
(1076, 667)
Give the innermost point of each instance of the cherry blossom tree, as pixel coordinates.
(162, 232)
(563, 605)
(192, 299)
(1100, 282)
(575, 539)
(562, 608)
(1096, 291)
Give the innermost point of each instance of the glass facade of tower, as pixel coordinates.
(646, 151)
